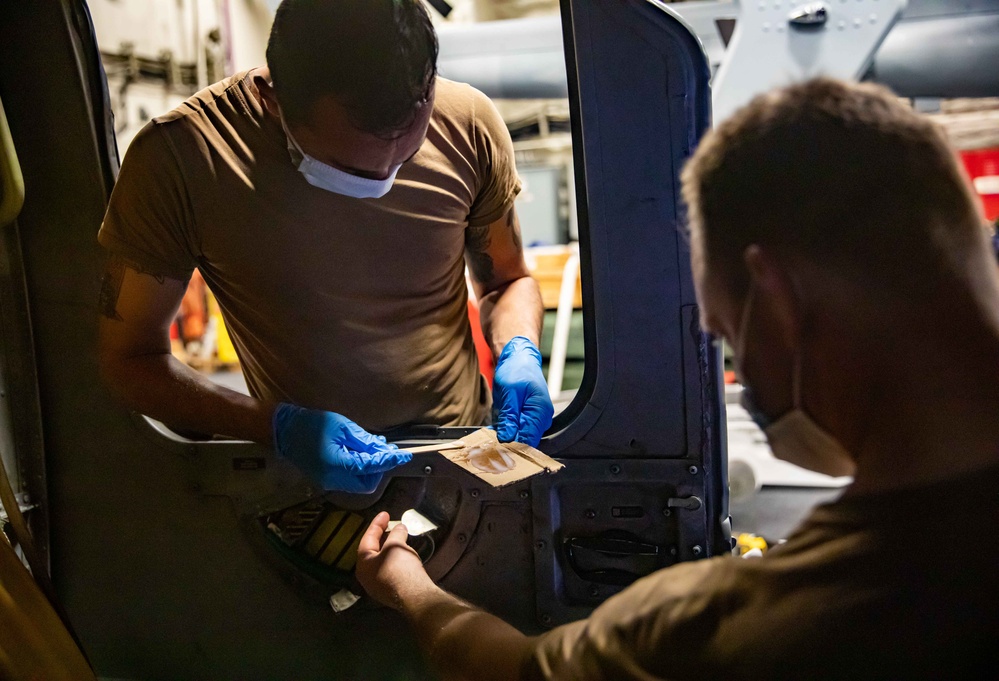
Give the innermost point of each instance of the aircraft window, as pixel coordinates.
(543, 141)
(151, 73)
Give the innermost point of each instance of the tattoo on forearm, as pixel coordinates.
(477, 247)
(114, 275)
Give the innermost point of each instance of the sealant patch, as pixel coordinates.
(491, 458)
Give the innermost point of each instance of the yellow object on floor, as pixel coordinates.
(225, 352)
(746, 542)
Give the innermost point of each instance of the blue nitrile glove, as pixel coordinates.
(333, 450)
(524, 409)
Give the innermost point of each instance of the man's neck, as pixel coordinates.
(911, 386)
(936, 416)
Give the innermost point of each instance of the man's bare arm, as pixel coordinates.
(461, 641)
(509, 299)
(136, 311)
(464, 642)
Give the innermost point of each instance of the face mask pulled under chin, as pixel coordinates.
(323, 176)
(794, 437)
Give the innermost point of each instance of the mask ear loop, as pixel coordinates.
(288, 135)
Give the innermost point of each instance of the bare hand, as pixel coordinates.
(387, 567)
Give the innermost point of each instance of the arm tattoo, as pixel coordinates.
(477, 242)
(114, 275)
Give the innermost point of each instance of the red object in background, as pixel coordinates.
(983, 168)
(482, 349)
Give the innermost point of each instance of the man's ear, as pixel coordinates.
(773, 284)
(267, 95)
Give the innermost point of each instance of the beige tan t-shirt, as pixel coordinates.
(896, 586)
(356, 306)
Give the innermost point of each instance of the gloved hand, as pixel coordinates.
(333, 450)
(520, 395)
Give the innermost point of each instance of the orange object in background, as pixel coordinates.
(983, 169)
(730, 378)
(193, 313)
(482, 349)
(547, 265)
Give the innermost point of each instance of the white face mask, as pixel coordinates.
(324, 176)
(794, 437)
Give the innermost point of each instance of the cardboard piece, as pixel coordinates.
(499, 464)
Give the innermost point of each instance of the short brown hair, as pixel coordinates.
(376, 58)
(843, 175)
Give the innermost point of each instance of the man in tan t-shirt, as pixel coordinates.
(331, 202)
(837, 247)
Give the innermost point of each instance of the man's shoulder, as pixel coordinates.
(228, 94)
(459, 101)
(179, 130)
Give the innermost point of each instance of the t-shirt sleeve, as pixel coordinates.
(499, 183)
(149, 222)
(660, 627)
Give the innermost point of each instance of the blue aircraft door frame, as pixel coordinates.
(158, 544)
(645, 441)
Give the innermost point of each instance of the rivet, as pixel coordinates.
(524, 494)
(540, 544)
(672, 551)
(462, 538)
(594, 590)
(474, 493)
(692, 470)
(427, 470)
(546, 619)
(590, 513)
(615, 469)
(667, 512)
(696, 550)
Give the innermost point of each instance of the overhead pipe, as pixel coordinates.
(933, 51)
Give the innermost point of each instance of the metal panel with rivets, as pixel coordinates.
(778, 42)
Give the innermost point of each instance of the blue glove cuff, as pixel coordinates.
(283, 413)
(518, 344)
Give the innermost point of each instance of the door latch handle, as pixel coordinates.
(613, 557)
(691, 503)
